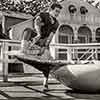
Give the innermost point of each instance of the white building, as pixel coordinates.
(79, 23)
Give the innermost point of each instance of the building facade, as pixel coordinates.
(8, 19)
(79, 23)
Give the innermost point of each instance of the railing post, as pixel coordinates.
(69, 54)
(96, 55)
(4, 48)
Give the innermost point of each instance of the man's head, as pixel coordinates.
(55, 9)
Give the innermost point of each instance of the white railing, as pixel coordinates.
(78, 51)
(71, 50)
(91, 52)
(5, 46)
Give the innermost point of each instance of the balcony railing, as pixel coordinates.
(73, 52)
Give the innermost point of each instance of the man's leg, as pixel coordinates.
(45, 82)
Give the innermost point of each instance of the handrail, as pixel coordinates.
(91, 55)
(10, 41)
(84, 54)
(75, 45)
(69, 51)
(72, 47)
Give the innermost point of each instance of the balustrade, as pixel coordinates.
(73, 52)
(88, 51)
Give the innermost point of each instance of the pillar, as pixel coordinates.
(3, 24)
(75, 34)
(93, 36)
(94, 41)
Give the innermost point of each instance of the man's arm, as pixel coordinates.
(25, 40)
(37, 26)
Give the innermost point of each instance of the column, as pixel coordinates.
(93, 36)
(76, 40)
(75, 34)
(94, 41)
(3, 24)
(4, 57)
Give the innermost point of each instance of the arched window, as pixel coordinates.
(84, 34)
(83, 10)
(0, 28)
(65, 34)
(98, 41)
(98, 35)
(72, 9)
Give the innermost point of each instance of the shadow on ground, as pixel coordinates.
(83, 95)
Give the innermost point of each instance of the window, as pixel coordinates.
(72, 39)
(90, 39)
(83, 10)
(63, 39)
(98, 35)
(65, 33)
(0, 28)
(82, 38)
(62, 54)
(72, 9)
(98, 39)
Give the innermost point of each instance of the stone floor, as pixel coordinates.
(30, 88)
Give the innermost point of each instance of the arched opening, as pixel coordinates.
(84, 35)
(98, 35)
(66, 35)
(98, 40)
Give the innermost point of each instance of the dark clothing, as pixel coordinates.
(28, 34)
(0, 29)
(46, 29)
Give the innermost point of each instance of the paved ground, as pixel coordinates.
(30, 88)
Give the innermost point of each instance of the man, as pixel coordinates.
(45, 26)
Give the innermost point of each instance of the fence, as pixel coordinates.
(72, 51)
(77, 51)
